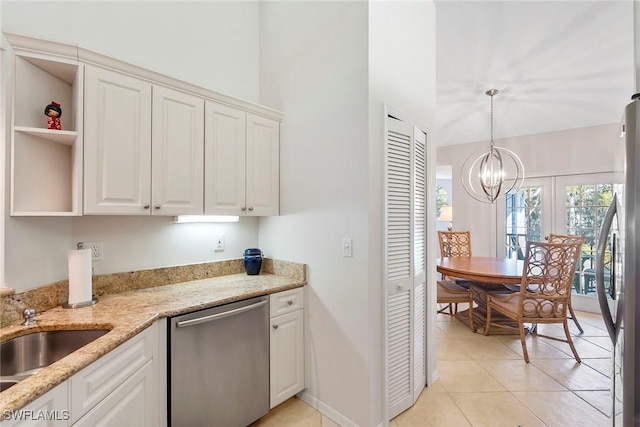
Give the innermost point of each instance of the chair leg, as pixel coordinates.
(575, 319)
(573, 348)
(455, 309)
(473, 329)
(487, 323)
(524, 344)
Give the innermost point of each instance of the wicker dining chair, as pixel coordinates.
(449, 290)
(454, 243)
(453, 294)
(545, 291)
(567, 238)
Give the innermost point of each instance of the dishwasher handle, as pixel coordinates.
(217, 316)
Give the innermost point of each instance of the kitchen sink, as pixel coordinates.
(5, 384)
(25, 355)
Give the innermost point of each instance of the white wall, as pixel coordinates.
(212, 44)
(314, 68)
(402, 75)
(572, 151)
(332, 85)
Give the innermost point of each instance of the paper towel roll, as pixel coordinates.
(79, 276)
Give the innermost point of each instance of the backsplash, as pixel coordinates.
(52, 295)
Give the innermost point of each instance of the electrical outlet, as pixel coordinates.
(219, 242)
(97, 252)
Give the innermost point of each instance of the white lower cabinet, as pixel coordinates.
(119, 389)
(49, 410)
(287, 345)
(130, 404)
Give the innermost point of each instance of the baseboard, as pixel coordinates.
(326, 410)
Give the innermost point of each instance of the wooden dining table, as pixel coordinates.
(487, 275)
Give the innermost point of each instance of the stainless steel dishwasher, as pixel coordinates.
(219, 365)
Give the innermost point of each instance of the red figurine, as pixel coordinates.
(54, 112)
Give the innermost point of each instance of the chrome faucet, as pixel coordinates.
(29, 316)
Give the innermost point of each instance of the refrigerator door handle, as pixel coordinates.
(600, 250)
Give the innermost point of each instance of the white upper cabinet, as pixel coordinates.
(224, 154)
(141, 157)
(177, 152)
(133, 141)
(242, 163)
(263, 166)
(117, 159)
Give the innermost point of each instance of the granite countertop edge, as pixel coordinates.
(126, 315)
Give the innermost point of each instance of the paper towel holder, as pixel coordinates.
(93, 301)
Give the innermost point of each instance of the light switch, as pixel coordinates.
(347, 247)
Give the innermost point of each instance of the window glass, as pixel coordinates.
(585, 207)
(523, 220)
(442, 199)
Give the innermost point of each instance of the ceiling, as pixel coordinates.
(557, 64)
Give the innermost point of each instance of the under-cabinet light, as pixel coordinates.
(206, 218)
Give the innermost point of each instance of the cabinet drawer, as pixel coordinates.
(131, 404)
(93, 383)
(286, 302)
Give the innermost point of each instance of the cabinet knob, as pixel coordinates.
(289, 302)
(244, 208)
(146, 206)
(275, 326)
(251, 208)
(157, 206)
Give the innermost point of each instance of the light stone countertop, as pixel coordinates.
(127, 314)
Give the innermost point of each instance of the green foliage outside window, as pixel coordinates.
(442, 199)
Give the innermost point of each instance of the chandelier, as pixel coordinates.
(484, 171)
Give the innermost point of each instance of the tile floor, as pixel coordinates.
(485, 382)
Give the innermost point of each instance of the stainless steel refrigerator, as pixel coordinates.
(619, 246)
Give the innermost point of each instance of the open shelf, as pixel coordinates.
(46, 164)
(65, 137)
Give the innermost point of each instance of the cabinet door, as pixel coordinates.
(286, 356)
(225, 141)
(50, 410)
(263, 166)
(117, 162)
(177, 153)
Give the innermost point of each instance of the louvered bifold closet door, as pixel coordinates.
(399, 264)
(419, 260)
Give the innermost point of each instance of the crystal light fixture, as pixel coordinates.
(484, 171)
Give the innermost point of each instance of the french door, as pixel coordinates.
(580, 205)
(569, 204)
(525, 215)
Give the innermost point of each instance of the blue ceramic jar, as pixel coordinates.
(253, 261)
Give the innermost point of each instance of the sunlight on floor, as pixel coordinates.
(485, 381)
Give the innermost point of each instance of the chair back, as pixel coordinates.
(564, 238)
(568, 238)
(455, 243)
(547, 279)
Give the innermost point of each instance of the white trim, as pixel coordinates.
(326, 410)
(75, 53)
(5, 96)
